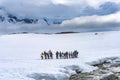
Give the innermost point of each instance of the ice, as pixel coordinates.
(20, 53)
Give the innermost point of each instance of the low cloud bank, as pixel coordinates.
(78, 24)
(94, 22)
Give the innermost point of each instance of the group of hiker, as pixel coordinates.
(59, 55)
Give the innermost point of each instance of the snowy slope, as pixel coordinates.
(20, 53)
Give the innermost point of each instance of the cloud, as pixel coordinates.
(8, 28)
(57, 8)
(104, 9)
(36, 8)
(92, 3)
(90, 15)
(78, 24)
(94, 22)
(96, 3)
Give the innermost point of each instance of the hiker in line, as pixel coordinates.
(71, 55)
(45, 54)
(75, 53)
(63, 55)
(60, 55)
(50, 54)
(57, 54)
(42, 56)
(67, 55)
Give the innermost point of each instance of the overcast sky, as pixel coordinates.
(60, 8)
(79, 13)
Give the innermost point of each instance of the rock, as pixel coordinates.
(43, 76)
(82, 76)
(37, 76)
(109, 76)
(96, 33)
(108, 69)
(78, 71)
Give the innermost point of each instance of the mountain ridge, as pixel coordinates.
(11, 18)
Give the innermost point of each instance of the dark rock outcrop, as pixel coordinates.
(82, 76)
(108, 69)
(14, 19)
(110, 77)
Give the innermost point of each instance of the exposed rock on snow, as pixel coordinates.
(109, 76)
(108, 69)
(40, 76)
(82, 76)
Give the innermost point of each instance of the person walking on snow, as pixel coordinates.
(57, 54)
(42, 56)
(50, 54)
(45, 54)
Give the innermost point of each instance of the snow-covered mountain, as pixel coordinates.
(5, 16)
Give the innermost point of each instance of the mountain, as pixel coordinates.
(11, 18)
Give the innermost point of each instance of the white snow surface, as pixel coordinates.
(20, 53)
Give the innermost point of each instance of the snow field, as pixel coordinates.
(20, 53)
